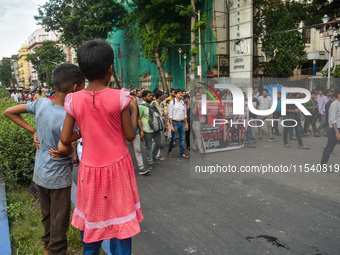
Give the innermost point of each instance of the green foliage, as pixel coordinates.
(26, 228)
(285, 51)
(79, 21)
(334, 74)
(194, 51)
(17, 150)
(14, 210)
(318, 8)
(5, 72)
(44, 60)
(202, 23)
(159, 24)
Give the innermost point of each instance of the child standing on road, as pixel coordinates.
(52, 176)
(108, 204)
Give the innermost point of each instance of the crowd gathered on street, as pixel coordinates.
(99, 122)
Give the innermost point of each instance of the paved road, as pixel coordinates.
(241, 213)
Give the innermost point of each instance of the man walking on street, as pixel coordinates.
(311, 119)
(178, 122)
(196, 125)
(292, 114)
(322, 101)
(334, 128)
(159, 99)
(265, 102)
(149, 133)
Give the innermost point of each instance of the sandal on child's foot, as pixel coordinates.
(169, 154)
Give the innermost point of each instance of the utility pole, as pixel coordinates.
(199, 43)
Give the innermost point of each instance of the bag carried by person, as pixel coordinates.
(155, 119)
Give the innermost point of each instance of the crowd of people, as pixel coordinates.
(31, 94)
(105, 120)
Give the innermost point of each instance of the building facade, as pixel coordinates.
(36, 39)
(24, 67)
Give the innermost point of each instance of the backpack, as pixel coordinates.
(155, 119)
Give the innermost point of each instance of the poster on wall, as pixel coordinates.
(221, 129)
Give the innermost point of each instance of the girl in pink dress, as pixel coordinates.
(108, 204)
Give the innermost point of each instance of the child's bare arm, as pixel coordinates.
(130, 122)
(68, 135)
(14, 114)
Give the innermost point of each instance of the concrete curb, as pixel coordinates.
(106, 243)
(4, 227)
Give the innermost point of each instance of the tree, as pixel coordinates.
(159, 25)
(44, 60)
(78, 21)
(5, 72)
(318, 8)
(285, 50)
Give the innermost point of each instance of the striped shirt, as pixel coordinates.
(334, 114)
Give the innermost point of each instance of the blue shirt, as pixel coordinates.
(50, 173)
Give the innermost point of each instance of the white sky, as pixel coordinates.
(16, 24)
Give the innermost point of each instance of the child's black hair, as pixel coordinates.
(95, 58)
(65, 76)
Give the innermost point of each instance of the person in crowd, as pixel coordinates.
(137, 149)
(302, 133)
(292, 113)
(253, 116)
(186, 99)
(229, 95)
(159, 99)
(178, 122)
(14, 96)
(196, 125)
(248, 130)
(149, 133)
(257, 93)
(139, 97)
(223, 95)
(39, 94)
(277, 115)
(265, 102)
(52, 176)
(333, 133)
(171, 97)
(52, 95)
(311, 119)
(322, 101)
(108, 205)
(166, 94)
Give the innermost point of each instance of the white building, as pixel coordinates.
(36, 39)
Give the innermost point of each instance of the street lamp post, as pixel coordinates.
(330, 32)
(198, 13)
(184, 67)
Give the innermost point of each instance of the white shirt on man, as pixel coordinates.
(177, 111)
(264, 102)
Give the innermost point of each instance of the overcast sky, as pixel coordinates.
(16, 24)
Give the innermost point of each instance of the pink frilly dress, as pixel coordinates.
(107, 197)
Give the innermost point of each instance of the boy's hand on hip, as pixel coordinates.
(54, 153)
(35, 139)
